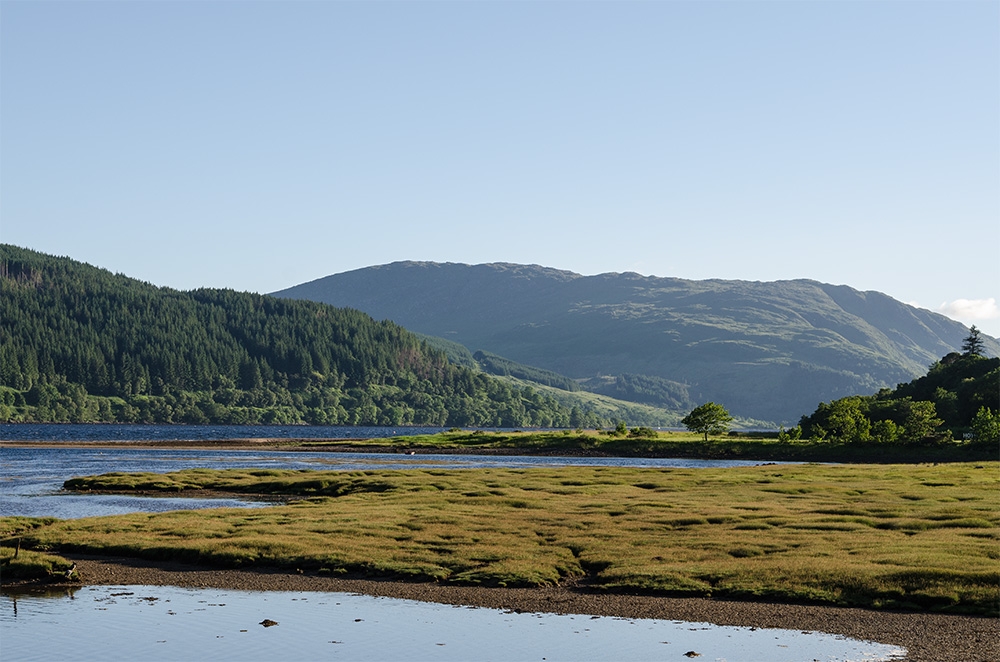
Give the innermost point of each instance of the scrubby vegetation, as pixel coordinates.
(498, 365)
(914, 537)
(646, 389)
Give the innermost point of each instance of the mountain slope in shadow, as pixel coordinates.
(765, 350)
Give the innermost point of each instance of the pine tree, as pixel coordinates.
(973, 343)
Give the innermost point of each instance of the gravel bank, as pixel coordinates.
(927, 637)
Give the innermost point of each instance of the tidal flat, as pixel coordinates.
(915, 537)
(878, 552)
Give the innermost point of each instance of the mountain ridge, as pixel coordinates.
(769, 350)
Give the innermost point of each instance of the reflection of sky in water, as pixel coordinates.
(169, 623)
(32, 478)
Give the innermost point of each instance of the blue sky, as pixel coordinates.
(258, 145)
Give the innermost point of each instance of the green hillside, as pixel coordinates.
(591, 407)
(80, 344)
(768, 351)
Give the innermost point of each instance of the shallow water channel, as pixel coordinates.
(31, 478)
(169, 623)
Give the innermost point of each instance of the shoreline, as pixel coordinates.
(334, 446)
(743, 451)
(290, 444)
(927, 637)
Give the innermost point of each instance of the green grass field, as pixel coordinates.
(895, 536)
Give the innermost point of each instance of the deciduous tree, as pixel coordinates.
(709, 418)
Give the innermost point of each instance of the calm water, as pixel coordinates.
(167, 623)
(128, 432)
(31, 478)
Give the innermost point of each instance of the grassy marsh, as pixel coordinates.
(26, 565)
(900, 536)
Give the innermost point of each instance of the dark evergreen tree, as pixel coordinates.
(973, 343)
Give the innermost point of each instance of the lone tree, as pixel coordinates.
(973, 344)
(707, 419)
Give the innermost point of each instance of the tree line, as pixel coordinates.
(958, 398)
(80, 344)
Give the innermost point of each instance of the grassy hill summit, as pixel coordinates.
(765, 350)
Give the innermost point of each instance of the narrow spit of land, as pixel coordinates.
(580, 443)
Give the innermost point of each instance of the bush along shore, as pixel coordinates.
(918, 537)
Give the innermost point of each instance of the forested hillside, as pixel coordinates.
(768, 351)
(958, 398)
(78, 343)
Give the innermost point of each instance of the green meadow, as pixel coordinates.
(921, 537)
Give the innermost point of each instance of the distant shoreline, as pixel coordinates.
(751, 450)
(927, 637)
(308, 445)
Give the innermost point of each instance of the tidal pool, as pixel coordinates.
(170, 623)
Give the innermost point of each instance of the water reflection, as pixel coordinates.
(31, 478)
(169, 623)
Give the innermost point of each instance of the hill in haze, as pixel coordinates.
(765, 350)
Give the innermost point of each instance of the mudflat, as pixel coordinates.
(927, 637)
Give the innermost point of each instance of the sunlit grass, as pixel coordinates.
(24, 565)
(913, 536)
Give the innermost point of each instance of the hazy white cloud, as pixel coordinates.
(971, 309)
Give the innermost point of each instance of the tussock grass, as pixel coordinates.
(844, 534)
(11, 527)
(32, 566)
